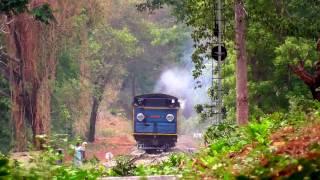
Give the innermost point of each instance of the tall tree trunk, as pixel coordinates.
(18, 116)
(42, 105)
(33, 43)
(100, 84)
(93, 118)
(241, 67)
(17, 88)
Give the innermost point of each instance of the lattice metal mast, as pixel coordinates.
(219, 61)
(217, 75)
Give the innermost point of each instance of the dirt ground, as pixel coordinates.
(113, 134)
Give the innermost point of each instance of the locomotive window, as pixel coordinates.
(156, 102)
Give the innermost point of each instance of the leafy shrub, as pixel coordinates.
(219, 131)
(286, 167)
(226, 138)
(124, 167)
(47, 164)
(300, 107)
(167, 167)
(302, 104)
(4, 166)
(259, 131)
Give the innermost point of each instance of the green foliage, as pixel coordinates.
(160, 42)
(43, 13)
(296, 17)
(287, 167)
(167, 167)
(13, 6)
(219, 131)
(242, 148)
(116, 48)
(67, 67)
(165, 36)
(245, 152)
(111, 49)
(66, 91)
(259, 131)
(4, 166)
(46, 165)
(226, 138)
(278, 34)
(307, 169)
(301, 104)
(65, 106)
(124, 167)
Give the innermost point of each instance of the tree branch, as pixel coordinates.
(300, 71)
(5, 24)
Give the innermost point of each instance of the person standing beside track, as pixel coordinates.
(78, 157)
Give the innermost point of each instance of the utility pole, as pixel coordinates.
(242, 111)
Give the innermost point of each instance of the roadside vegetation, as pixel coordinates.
(277, 145)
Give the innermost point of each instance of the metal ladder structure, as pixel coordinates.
(217, 77)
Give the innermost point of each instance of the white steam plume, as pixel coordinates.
(179, 82)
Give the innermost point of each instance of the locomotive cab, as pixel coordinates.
(155, 118)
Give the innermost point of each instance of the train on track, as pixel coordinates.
(155, 121)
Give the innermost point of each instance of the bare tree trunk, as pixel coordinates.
(33, 43)
(18, 117)
(42, 118)
(16, 85)
(93, 118)
(100, 83)
(241, 67)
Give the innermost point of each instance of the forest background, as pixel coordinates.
(87, 58)
(100, 49)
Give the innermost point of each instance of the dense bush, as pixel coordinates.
(47, 164)
(248, 152)
(124, 167)
(4, 166)
(168, 167)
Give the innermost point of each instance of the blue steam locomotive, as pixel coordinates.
(155, 118)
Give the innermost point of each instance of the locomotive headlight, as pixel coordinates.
(140, 117)
(170, 117)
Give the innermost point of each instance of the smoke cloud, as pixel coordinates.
(179, 82)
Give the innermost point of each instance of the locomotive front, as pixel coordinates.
(155, 121)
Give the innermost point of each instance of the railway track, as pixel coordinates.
(140, 157)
